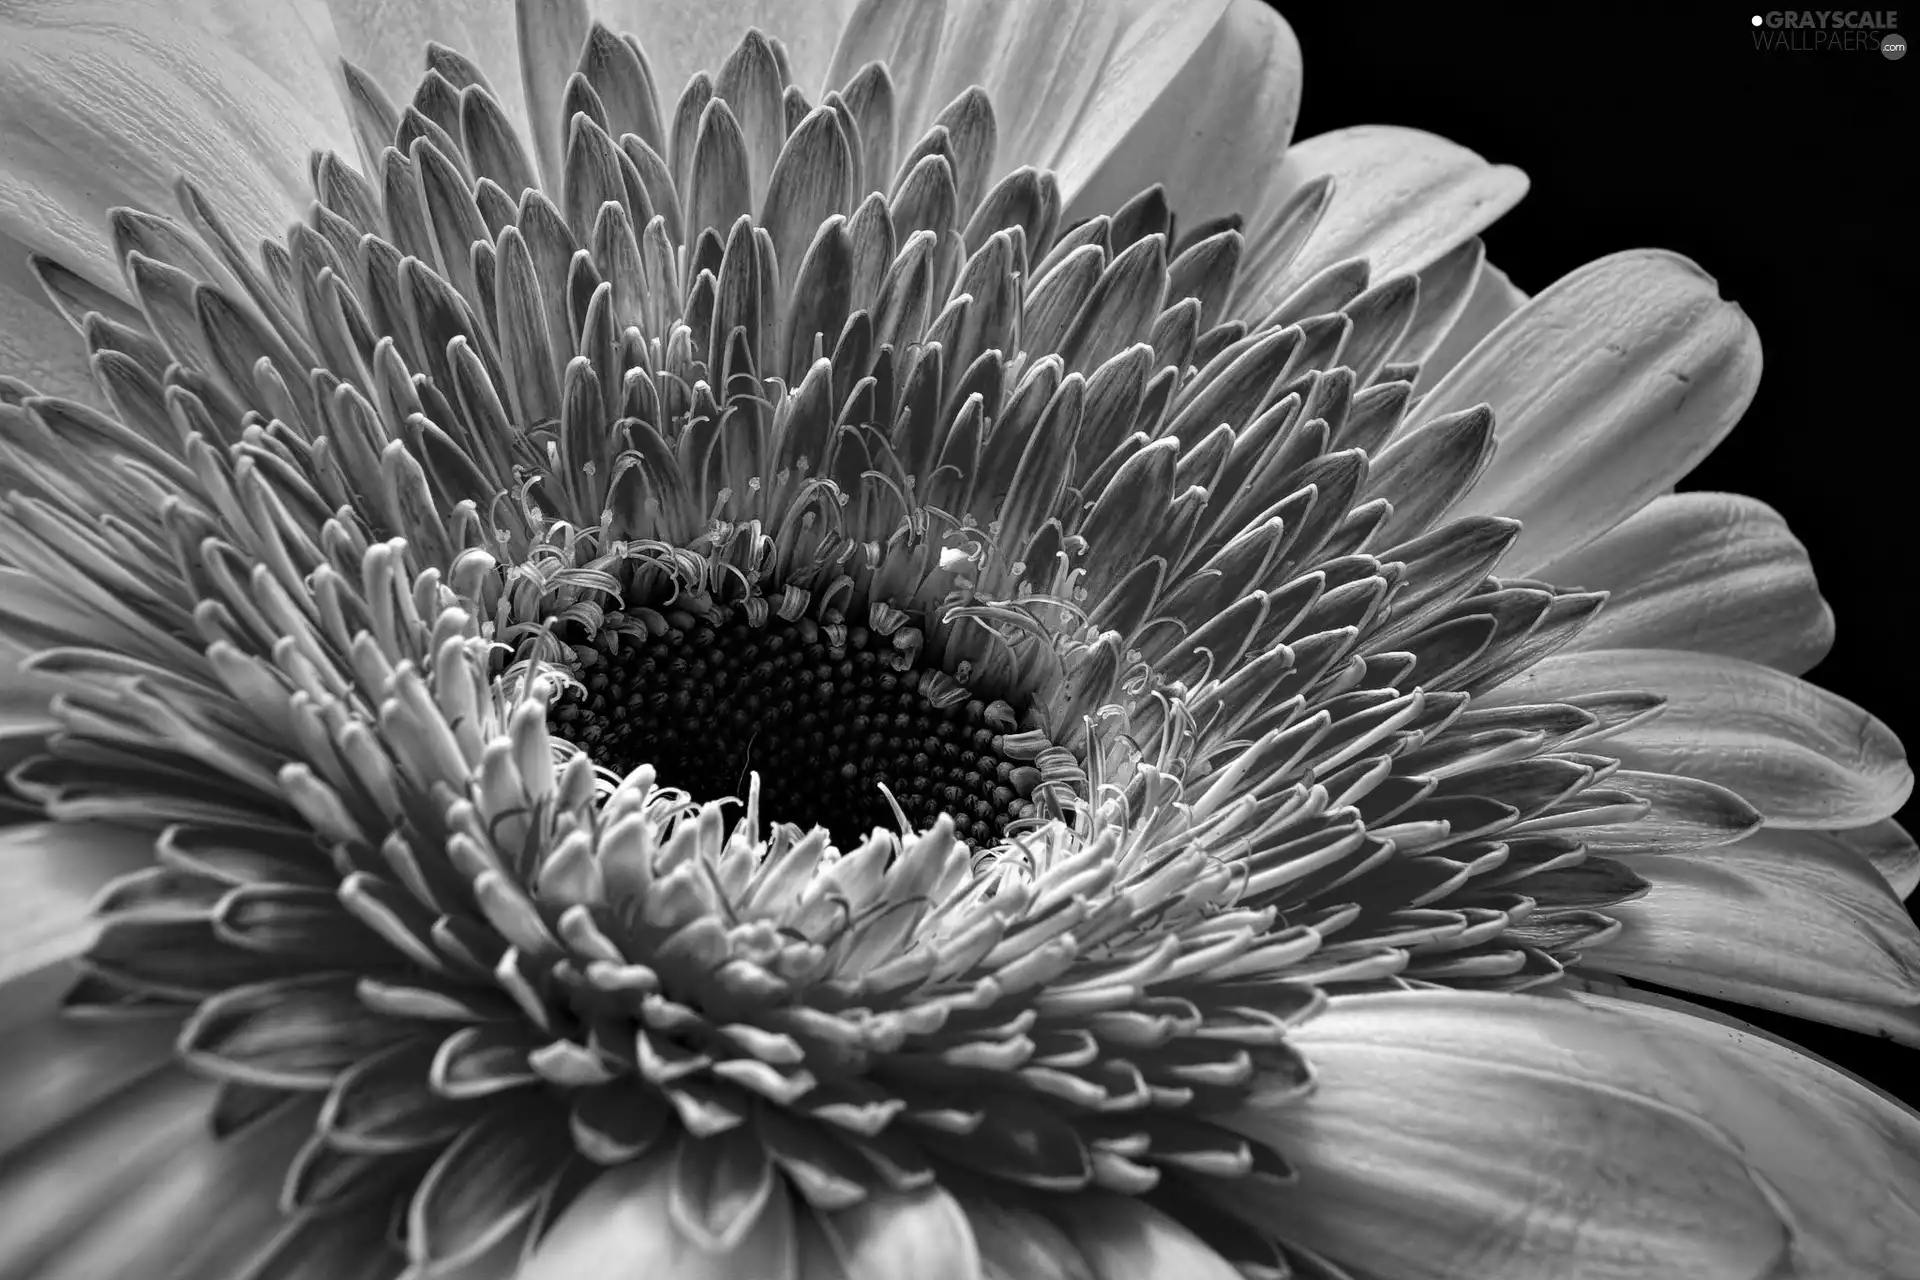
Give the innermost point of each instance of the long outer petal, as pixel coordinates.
(1843, 1153)
(138, 1185)
(1709, 572)
(1805, 758)
(1495, 297)
(49, 874)
(682, 39)
(1492, 1135)
(1216, 135)
(108, 102)
(1401, 198)
(621, 1224)
(388, 39)
(37, 345)
(1793, 921)
(1607, 388)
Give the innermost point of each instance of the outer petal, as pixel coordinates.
(1607, 388)
(138, 1185)
(1016, 1240)
(1216, 135)
(107, 102)
(681, 39)
(49, 874)
(1892, 852)
(921, 1234)
(388, 39)
(1127, 1240)
(1471, 1133)
(1710, 572)
(37, 345)
(1401, 199)
(1788, 920)
(1070, 79)
(1494, 299)
(25, 719)
(1843, 1154)
(622, 1225)
(1803, 757)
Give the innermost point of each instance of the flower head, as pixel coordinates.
(742, 685)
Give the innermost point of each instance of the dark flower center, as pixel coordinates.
(825, 725)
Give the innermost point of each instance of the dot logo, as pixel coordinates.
(1893, 46)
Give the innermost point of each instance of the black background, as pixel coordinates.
(1782, 174)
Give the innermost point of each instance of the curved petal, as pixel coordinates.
(49, 874)
(1445, 291)
(1607, 387)
(140, 1185)
(1123, 1239)
(1892, 852)
(622, 1224)
(1803, 757)
(916, 1233)
(1070, 79)
(1476, 1133)
(1216, 135)
(681, 39)
(1779, 919)
(1843, 1154)
(24, 695)
(1402, 198)
(1494, 299)
(57, 1068)
(388, 40)
(37, 345)
(108, 102)
(1017, 1240)
(1707, 572)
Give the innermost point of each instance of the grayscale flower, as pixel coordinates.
(931, 655)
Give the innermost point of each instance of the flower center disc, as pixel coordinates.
(824, 725)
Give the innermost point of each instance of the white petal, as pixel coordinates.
(1843, 1154)
(57, 1068)
(1068, 79)
(1781, 918)
(621, 1225)
(389, 42)
(681, 39)
(1401, 199)
(1017, 1241)
(107, 102)
(1216, 135)
(37, 345)
(551, 36)
(1490, 1135)
(1608, 387)
(1804, 757)
(1708, 572)
(923, 1234)
(1448, 288)
(1124, 1239)
(1892, 852)
(1494, 299)
(49, 874)
(139, 1186)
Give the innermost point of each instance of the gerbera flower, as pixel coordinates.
(888, 663)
